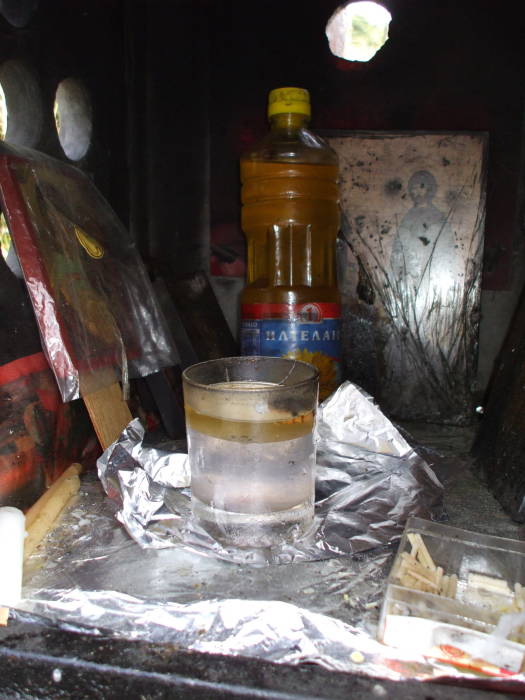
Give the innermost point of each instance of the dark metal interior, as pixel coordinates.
(177, 90)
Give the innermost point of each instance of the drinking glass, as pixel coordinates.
(250, 429)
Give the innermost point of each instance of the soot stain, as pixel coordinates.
(393, 187)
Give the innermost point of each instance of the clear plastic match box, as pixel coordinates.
(457, 596)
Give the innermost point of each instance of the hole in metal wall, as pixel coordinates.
(357, 30)
(18, 12)
(7, 249)
(20, 105)
(73, 118)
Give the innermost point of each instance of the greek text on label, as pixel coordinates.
(302, 335)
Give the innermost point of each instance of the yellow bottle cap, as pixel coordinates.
(289, 100)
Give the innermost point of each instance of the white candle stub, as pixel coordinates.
(12, 534)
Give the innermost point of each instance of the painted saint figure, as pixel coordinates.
(423, 254)
(426, 279)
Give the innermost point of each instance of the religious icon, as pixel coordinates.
(413, 214)
(94, 304)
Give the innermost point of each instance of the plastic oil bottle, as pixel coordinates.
(290, 306)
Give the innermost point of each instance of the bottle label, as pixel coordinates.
(310, 332)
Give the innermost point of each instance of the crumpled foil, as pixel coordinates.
(140, 477)
(90, 575)
(271, 630)
(369, 480)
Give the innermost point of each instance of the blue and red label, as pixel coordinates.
(310, 332)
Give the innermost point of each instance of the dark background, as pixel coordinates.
(179, 88)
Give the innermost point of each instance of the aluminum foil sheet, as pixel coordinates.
(274, 631)
(89, 551)
(90, 576)
(368, 482)
(321, 607)
(271, 630)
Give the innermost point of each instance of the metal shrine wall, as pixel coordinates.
(413, 207)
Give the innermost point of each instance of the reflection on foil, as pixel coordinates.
(271, 630)
(368, 482)
(90, 576)
(322, 607)
(140, 477)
